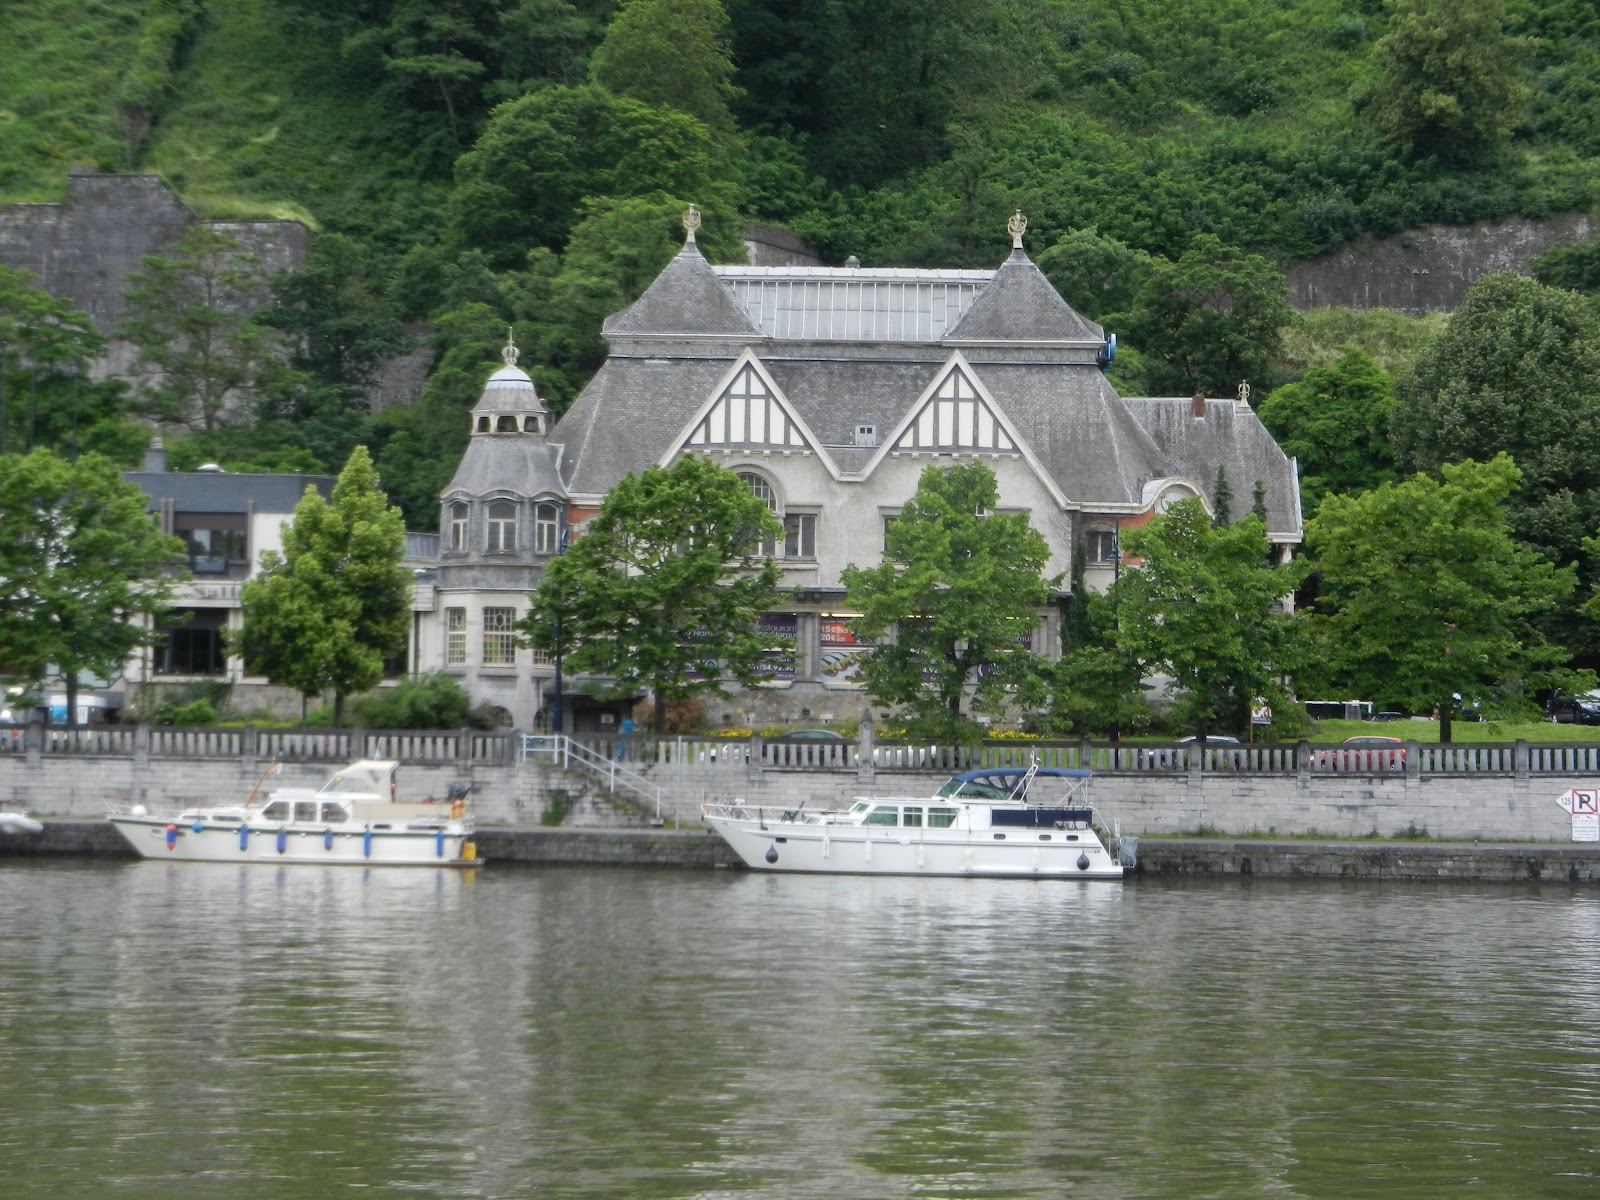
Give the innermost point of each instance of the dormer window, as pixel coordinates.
(532, 425)
(502, 527)
(506, 425)
(483, 424)
(866, 435)
(546, 529)
(458, 527)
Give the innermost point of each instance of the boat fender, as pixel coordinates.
(438, 844)
(244, 837)
(198, 827)
(772, 854)
(283, 840)
(366, 844)
(172, 837)
(1083, 862)
(327, 839)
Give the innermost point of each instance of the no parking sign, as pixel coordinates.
(1584, 805)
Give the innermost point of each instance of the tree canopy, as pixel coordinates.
(670, 54)
(957, 598)
(663, 590)
(1516, 370)
(188, 314)
(523, 182)
(1450, 81)
(334, 606)
(1427, 600)
(1204, 606)
(1209, 321)
(1335, 421)
(83, 570)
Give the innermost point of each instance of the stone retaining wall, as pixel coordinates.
(1490, 807)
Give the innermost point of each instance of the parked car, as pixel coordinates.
(812, 735)
(1582, 709)
(1389, 716)
(1212, 739)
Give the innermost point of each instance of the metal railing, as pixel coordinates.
(562, 751)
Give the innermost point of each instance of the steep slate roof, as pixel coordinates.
(686, 298)
(1231, 436)
(628, 414)
(1020, 305)
(517, 463)
(851, 346)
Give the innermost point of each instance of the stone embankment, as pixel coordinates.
(1366, 861)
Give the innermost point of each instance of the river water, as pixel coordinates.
(193, 1030)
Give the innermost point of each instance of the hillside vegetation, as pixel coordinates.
(478, 163)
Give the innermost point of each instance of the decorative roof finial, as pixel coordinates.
(1244, 395)
(509, 352)
(691, 222)
(1016, 227)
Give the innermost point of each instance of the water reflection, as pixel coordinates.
(205, 1030)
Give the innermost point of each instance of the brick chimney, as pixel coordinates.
(1198, 406)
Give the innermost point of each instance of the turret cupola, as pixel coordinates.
(510, 403)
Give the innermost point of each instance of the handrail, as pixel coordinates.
(564, 752)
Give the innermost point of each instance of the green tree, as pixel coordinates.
(1575, 266)
(523, 181)
(960, 589)
(338, 328)
(1516, 370)
(1211, 320)
(83, 569)
(662, 591)
(1427, 599)
(1449, 81)
(1095, 686)
(1098, 275)
(188, 313)
(46, 345)
(670, 54)
(327, 612)
(1335, 421)
(1203, 605)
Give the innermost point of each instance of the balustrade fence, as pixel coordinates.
(639, 751)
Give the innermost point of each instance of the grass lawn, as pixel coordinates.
(1460, 731)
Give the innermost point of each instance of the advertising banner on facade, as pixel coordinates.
(841, 651)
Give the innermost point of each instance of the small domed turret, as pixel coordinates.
(510, 403)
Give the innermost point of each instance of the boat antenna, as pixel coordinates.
(271, 769)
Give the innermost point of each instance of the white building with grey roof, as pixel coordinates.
(829, 390)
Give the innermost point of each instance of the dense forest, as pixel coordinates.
(470, 165)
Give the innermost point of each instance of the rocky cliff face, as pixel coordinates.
(1430, 268)
(84, 248)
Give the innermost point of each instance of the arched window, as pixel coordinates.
(1102, 546)
(502, 527)
(761, 489)
(546, 529)
(458, 527)
(483, 424)
(506, 425)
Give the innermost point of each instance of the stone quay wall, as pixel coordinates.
(1514, 805)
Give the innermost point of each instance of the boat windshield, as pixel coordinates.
(972, 789)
